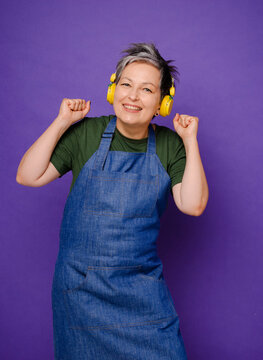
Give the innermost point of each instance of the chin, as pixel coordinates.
(128, 118)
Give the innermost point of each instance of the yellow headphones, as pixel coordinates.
(167, 102)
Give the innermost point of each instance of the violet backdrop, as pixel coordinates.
(212, 263)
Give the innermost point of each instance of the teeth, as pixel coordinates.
(132, 107)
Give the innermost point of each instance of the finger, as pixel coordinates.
(68, 102)
(176, 121)
(78, 105)
(87, 108)
(181, 121)
(73, 104)
(85, 105)
(176, 118)
(185, 124)
(81, 105)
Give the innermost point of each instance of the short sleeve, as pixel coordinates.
(63, 153)
(177, 158)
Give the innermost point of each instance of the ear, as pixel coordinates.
(157, 112)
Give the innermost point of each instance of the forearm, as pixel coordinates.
(194, 189)
(36, 159)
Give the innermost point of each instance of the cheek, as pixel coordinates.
(117, 101)
(152, 103)
(118, 95)
(116, 98)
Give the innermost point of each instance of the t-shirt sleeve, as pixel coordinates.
(177, 158)
(66, 147)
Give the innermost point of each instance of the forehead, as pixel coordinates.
(142, 72)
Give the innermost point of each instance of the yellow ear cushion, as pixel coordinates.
(110, 93)
(166, 106)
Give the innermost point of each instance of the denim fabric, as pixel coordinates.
(109, 297)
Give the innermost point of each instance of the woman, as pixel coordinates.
(109, 297)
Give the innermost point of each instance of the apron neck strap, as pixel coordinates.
(106, 139)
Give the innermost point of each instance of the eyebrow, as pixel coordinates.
(125, 77)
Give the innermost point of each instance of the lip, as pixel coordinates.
(131, 110)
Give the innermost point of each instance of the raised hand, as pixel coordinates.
(186, 126)
(73, 110)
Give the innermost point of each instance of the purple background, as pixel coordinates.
(212, 263)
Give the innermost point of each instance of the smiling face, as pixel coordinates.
(137, 98)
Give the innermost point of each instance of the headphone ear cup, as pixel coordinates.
(166, 106)
(110, 93)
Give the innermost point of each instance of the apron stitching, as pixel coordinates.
(122, 325)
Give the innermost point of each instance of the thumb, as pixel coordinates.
(87, 108)
(175, 121)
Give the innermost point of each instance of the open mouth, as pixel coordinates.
(132, 108)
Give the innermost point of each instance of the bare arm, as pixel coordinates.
(35, 168)
(191, 195)
(35, 162)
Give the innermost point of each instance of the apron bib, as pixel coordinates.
(109, 297)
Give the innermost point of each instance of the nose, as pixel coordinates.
(133, 94)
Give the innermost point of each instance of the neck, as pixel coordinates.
(132, 131)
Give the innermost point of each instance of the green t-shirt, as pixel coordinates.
(82, 139)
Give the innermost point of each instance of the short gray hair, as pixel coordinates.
(147, 52)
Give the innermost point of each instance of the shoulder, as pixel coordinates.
(169, 144)
(104, 119)
(165, 134)
(96, 124)
(93, 122)
(83, 130)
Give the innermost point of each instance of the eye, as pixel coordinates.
(125, 84)
(148, 90)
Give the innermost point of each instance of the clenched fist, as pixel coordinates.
(186, 126)
(72, 110)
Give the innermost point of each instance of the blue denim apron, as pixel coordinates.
(109, 297)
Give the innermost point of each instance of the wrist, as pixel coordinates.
(61, 122)
(61, 125)
(190, 142)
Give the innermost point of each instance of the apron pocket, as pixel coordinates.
(70, 274)
(117, 297)
(121, 194)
